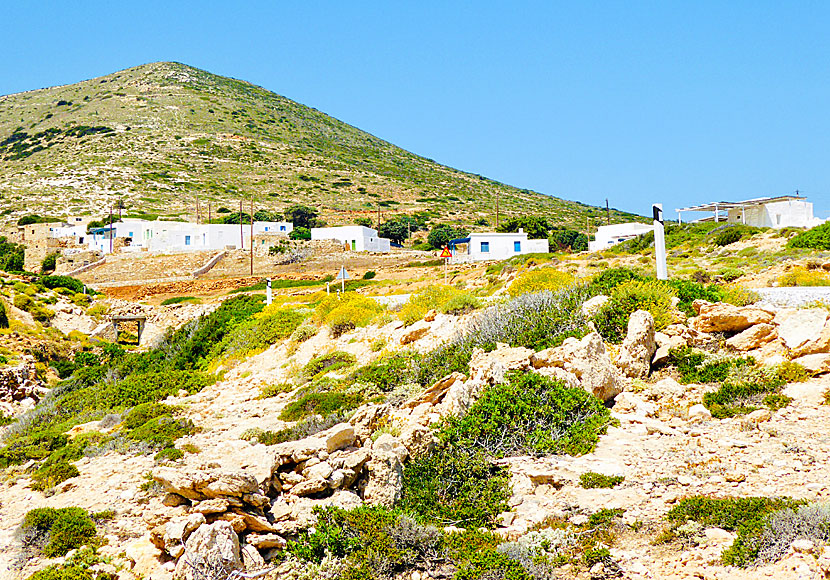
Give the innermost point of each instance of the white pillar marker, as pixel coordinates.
(268, 298)
(659, 241)
(342, 275)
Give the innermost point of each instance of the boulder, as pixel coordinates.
(798, 327)
(661, 356)
(265, 541)
(145, 556)
(417, 439)
(385, 479)
(588, 360)
(205, 484)
(753, 337)
(722, 317)
(388, 442)
(367, 419)
(340, 436)
(414, 332)
(492, 366)
(435, 394)
(211, 546)
(461, 396)
(593, 305)
(310, 487)
(639, 346)
(820, 344)
(699, 413)
(177, 530)
(212, 506)
(817, 364)
(298, 451)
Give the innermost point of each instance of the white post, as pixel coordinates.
(268, 299)
(679, 218)
(659, 241)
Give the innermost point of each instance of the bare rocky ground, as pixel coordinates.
(664, 445)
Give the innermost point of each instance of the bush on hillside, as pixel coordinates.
(817, 238)
(346, 312)
(4, 316)
(50, 262)
(650, 295)
(442, 298)
(11, 256)
(264, 329)
(326, 363)
(441, 234)
(538, 280)
(53, 532)
(63, 282)
(593, 480)
(387, 373)
(727, 236)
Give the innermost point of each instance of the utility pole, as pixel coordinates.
(497, 209)
(209, 217)
(608, 211)
(241, 234)
(110, 229)
(252, 235)
(378, 215)
(197, 209)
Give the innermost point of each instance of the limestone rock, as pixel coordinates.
(385, 479)
(430, 315)
(178, 530)
(815, 363)
(340, 436)
(320, 470)
(388, 442)
(588, 360)
(417, 439)
(759, 416)
(255, 523)
(638, 347)
(298, 451)
(435, 394)
(265, 541)
(462, 395)
(593, 305)
(820, 344)
(367, 419)
(310, 487)
(145, 556)
(753, 337)
(492, 366)
(204, 484)
(699, 413)
(415, 332)
(798, 327)
(209, 545)
(722, 317)
(212, 506)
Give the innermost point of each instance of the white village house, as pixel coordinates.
(357, 238)
(169, 236)
(608, 236)
(764, 212)
(494, 246)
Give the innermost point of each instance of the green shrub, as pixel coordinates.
(731, 274)
(50, 262)
(168, 454)
(792, 372)
(801, 276)
(52, 474)
(455, 485)
(538, 280)
(326, 363)
(63, 282)
(744, 515)
(346, 312)
(688, 291)
(369, 274)
(161, 432)
(4, 317)
(607, 280)
(650, 295)
(461, 304)
(305, 428)
(144, 412)
(817, 238)
(321, 404)
(727, 236)
(265, 329)
(303, 333)
(530, 414)
(593, 480)
(23, 302)
(147, 387)
(56, 531)
(388, 372)
(434, 298)
(269, 391)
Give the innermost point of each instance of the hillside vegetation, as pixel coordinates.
(162, 135)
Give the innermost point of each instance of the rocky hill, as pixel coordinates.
(165, 136)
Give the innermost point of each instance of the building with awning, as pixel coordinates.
(782, 211)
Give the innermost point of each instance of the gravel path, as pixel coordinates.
(794, 297)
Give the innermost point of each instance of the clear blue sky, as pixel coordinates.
(679, 102)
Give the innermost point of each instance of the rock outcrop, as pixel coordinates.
(639, 346)
(722, 317)
(587, 361)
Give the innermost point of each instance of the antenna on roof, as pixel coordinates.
(796, 193)
(608, 211)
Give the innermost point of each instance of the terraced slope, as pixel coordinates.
(163, 135)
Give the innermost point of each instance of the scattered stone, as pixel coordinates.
(415, 332)
(588, 360)
(798, 327)
(593, 305)
(722, 317)
(753, 337)
(698, 413)
(340, 436)
(208, 545)
(385, 479)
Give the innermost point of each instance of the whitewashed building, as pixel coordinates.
(135, 235)
(481, 246)
(609, 236)
(764, 212)
(357, 238)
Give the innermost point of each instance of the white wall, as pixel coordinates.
(358, 238)
(608, 236)
(780, 214)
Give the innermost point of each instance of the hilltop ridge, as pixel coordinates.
(162, 135)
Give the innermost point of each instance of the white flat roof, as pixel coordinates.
(719, 205)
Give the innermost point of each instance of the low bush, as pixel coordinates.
(650, 295)
(441, 298)
(4, 317)
(263, 330)
(369, 275)
(593, 480)
(744, 515)
(783, 527)
(303, 333)
(50, 262)
(792, 372)
(536, 321)
(346, 312)
(50, 475)
(162, 431)
(801, 276)
(538, 280)
(179, 300)
(269, 391)
(739, 296)
(53, 532)
(326, 363)
(305, 428)
(64, 282)
(530, 415)
(727, 236)
(387, 373)
(140, 414)
(817, 238)
(458, 486)
(325, 403)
